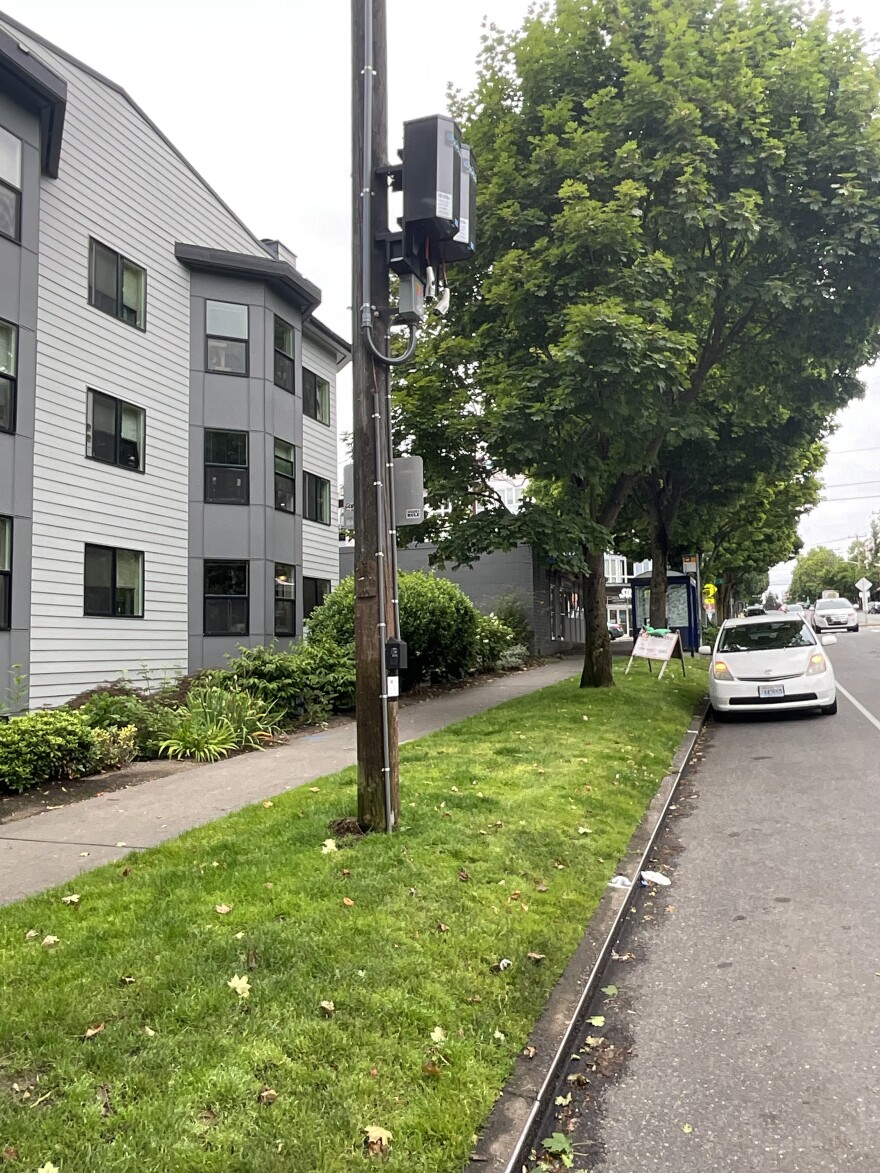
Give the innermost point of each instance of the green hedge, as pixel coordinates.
(307, 683)
(45, 746)
(438, 622)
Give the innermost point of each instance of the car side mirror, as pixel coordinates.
(705, 650)
(828, 640)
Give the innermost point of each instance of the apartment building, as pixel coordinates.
(167, 398)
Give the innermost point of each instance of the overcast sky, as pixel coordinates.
(257, 97)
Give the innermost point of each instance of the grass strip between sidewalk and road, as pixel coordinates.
(123, 1047)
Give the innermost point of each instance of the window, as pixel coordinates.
(615, 568)
(5, 573)
(115, 431)
(285, 600)
(226, 468)
(315, 591)
(316, 397)
(317, 498)
(227, 332)
(285, 473)
(284, 376)
(117, 286)
(766, 637)
(8, 370)
(226, 598)
(10, 185)
(113, 582)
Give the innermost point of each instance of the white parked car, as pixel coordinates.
(833, 614)
(770, 662)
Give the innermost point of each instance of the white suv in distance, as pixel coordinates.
(835, 614)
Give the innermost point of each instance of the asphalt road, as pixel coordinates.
(748, 1015)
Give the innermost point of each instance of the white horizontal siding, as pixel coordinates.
(320, 555)
(122, 184)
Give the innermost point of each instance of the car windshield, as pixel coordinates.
(795, 607)
(765, 637)
(832, 605)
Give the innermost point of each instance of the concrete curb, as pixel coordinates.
(507, 1135)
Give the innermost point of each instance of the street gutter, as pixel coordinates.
(509, 1132)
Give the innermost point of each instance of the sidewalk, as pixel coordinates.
(48, 848)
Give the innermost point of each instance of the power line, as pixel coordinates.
(861, 497)
(851, 484)
(849, 451)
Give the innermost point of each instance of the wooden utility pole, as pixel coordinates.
(377, 737)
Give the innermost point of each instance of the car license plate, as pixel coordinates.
(769, 691)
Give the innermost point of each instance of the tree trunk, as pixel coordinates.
(597, 646)
(722, 603)
(659, 569)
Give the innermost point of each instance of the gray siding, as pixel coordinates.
(256, 533)
(19, 264)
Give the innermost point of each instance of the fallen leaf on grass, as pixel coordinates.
(102, 1095)
(438, 1034)
(126, 871)
(536, 956)
(499, 1036)
(223, 908)
(328, 846)
(530, 1052)
(442, 928)
(267, 1095)
(585, 830)
(347, 901)
(314, 789)
(31, 935)
(127, 981)
(149, 1032)
(346, 872)
(49, 941)
(241, 985)
(464, 875)
(9, 1153)
(431, 1069)
(597, 1020)
(541, 888)
(500, 966)
(94, 1030)
(374, 1072)
(48, 1168)
(239, 936)
(515, 895)
(377, 1141)
(328, 1007)
(688, 1128)
(268, 803)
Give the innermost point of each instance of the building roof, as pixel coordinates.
(36, 87)
(324, 334)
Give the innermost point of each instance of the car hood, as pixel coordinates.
(768, 665)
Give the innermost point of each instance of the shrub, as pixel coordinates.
(192, 738)
(44, 746)
(493, 639)
(113, 708)
(437, 620)
(115, 748)
(215, 720)
(510, 610)
(306, 683)
(513, 657)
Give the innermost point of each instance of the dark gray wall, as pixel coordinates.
(18, 304)
(258, 532)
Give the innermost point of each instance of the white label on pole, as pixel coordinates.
(413, 515)
(462, 233)
(444, 205)
(393, 686)
(689, 565)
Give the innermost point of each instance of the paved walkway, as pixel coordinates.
(48, 848)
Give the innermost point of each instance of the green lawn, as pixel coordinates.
(512, 823)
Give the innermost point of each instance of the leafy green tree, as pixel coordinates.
(665, 189)
(821, 569)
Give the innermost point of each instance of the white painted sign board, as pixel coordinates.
(660, 648)
(863, 585)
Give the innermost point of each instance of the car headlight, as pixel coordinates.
(818, 664)
(720, 671)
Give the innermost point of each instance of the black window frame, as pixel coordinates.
(16, 191)
(312, 476)
(206, 562)
(209, 338)
(11, 381)
(113, 613)
(209, 464)
(6, 578)
(118, 404)
(121, 262)
(310, 603)
(287, 478)
(289, 604)
(287, 361)
(310, 396)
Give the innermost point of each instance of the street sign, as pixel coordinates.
(689, 564)
(863, 585)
